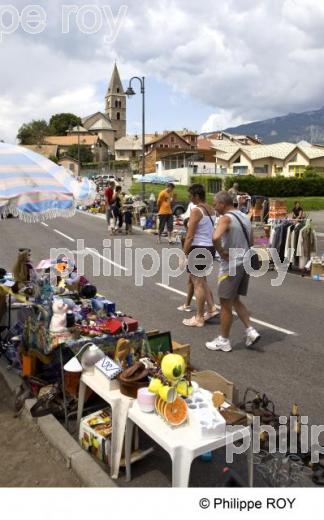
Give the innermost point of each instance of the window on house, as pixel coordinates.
(71, 167)
(172, 139)
(133, 153)
(240, 170)
(116, 104)
(261, 169)
(278, 170)
(238, 159)
(117, 90)
(297, 170)
(118, 116)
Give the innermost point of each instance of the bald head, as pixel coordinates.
(223, 202)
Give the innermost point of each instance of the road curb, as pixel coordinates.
(81, 463)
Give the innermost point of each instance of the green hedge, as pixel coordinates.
(278, 186)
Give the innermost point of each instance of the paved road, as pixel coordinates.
(27, 459)
(288, 362)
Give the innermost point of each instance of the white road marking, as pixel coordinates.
(43, 224)
(254, 320)
(106, 259)
(63, 235)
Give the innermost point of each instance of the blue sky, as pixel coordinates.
(166, 108)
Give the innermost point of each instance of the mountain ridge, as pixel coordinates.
(292, 127)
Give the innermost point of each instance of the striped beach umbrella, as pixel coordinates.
(34, 188)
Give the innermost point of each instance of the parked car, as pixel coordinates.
(178, 207)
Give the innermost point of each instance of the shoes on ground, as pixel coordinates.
(193, 322)
(252, 336)
(184, 308)
(219, 343)
(211, 314)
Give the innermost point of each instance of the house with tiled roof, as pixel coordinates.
(48, 150)
(233, 138)
(268, 160)
(97, 146)
(128, 148)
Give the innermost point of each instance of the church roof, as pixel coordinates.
(79, 129)
(101, 124)
(97, 116)
(115, 83)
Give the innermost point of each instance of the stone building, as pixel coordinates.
(115, 107)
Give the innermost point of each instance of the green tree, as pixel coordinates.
(33, 132)
(60, 123)
(53, 158)
(310, 172)
(86, 154)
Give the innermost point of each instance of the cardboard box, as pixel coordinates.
(317, 270)
(95, 434)
(212, 381)
(182, 349)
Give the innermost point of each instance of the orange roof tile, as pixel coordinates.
(67, 140)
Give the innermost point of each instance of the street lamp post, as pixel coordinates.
(79, 172)
(130, 92)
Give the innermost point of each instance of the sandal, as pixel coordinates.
(193, 322)
(184, 307)
(209, 315)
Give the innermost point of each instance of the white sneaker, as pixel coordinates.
(252, 336)
(219, 343)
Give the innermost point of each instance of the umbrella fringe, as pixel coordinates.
(32, 218)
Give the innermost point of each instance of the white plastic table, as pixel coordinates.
(183, 443)
(120, 404)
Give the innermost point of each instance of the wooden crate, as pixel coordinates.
(183, 350)
(212, 381)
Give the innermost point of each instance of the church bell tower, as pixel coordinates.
(115, 107)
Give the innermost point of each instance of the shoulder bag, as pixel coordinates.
(255, 261)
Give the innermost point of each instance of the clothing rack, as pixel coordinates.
(284, 240)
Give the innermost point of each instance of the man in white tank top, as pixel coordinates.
(229, 235)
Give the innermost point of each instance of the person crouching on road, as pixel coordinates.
(228, 235)
(165, 211)
(200, 238)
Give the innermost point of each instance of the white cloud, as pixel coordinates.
(221, 120)
(245, 60)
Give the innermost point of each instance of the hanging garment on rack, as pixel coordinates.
(289, 246)
(280, 238)
(294, 242)
(306, 245)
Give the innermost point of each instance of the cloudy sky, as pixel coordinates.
(208, 64)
